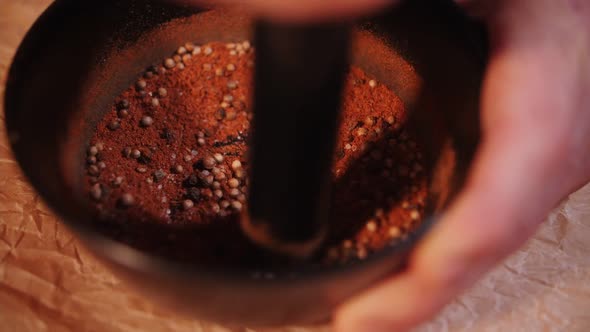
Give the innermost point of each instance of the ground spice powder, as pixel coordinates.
(167, 166)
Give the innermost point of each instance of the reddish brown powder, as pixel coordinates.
(177, 200)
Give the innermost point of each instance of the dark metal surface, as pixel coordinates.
(81, 54)
(298, 87)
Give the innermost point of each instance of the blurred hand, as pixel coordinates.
(306, 10)
(536, 139)
(534, 152)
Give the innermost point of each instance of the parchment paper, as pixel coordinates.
(48, 282)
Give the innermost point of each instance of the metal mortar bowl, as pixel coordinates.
(79, 55)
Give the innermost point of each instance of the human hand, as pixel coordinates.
(536, 135)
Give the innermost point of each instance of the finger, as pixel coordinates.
(518, 176)
(306, 10)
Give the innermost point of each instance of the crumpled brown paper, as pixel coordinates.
(48, 282)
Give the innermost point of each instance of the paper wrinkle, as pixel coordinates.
(48, 282)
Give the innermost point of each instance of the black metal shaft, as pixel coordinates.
(298, 88)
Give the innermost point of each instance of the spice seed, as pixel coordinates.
(159, 175)
(123, 104)
(239, 173)
(372, 226)
(122, 113)
(236, 164)
(372, 83)
(232, 85)
(96, 192)
(135, 154)
(218, 157)
(209, 163)
(216, 209)
(147, 121)
(126, 200)
(220, 114)
(233, 183)
(231, 114)
(162, 92)
(187, 204)
(114, 125)
(118, 181)
(239, 105)
(236, 205)
(193, 193)
(394, 232)
(92, 150)
(169, 63)
(178, 169)
(141, 84)
(361, 253)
